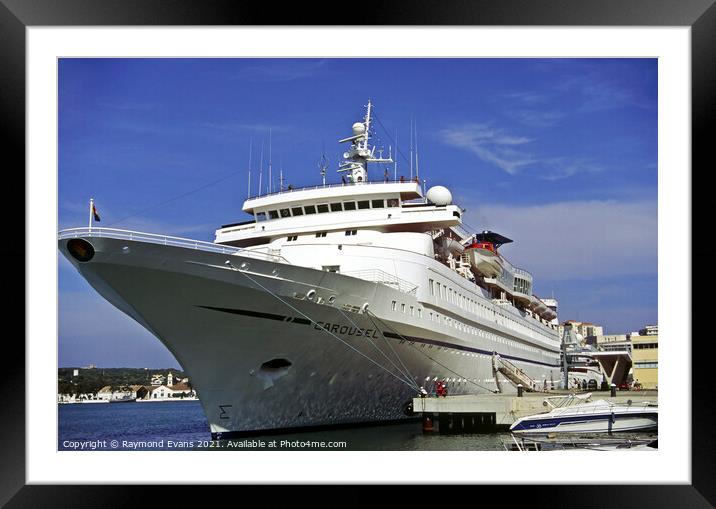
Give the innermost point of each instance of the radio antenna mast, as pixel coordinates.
(261, 166)
(248, 192)
(411, 148)
(417, 163)
(395, 163)
(270, 178)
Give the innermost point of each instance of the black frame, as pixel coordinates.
(16, 15)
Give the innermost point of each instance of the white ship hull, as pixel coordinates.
(234, 327)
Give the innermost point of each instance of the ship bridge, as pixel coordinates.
(384, 206)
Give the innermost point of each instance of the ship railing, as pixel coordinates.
(167, 240)
(461, 231)
(382, 277)
(339, 184)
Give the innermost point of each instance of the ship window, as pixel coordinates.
(351, 232)
(261, 216)
(320, 234)
(392, 305)
(402, 308)
(332, 268)
(412, 311)
(393, 202)
(336, 207)
(349, 205)
(378, 204)
(285, 213)
(310, 209)
(297, 211)
(273, 214)
(430, 285)
(365, 204)
(323, 208)
(291, 238)
(456, 213)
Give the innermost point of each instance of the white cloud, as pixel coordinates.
(575, 240)
(502, 149)
(490, 144)
(536, 118)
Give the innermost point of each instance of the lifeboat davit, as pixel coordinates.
(485, 259)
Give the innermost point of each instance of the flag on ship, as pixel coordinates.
(94, 213)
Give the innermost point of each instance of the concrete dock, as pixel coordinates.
(487, 413)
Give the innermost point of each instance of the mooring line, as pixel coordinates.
(321, 328)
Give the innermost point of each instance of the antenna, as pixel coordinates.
(395, 163)
(261, 166)
(322, 166)
(270, 178)
(417, 166)
(411, 148)
(248, 192)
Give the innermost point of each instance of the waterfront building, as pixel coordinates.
(649, 330)
(180, 390)
(645, 352)
(614, 342)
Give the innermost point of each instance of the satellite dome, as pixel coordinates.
(358, 128)
(439, 195)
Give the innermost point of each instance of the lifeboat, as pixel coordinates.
(484, 259)
(483, 254)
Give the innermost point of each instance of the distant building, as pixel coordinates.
(181, 390)
(645, 353)
(589, 332)
(157, 380)
(105, 393)
(614, 343)
(649, 330)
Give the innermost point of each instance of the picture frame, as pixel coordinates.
(16, 16)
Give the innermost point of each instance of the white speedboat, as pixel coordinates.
(597, 417)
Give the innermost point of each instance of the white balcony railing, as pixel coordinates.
(382, 277)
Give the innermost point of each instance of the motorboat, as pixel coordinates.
(595, 417)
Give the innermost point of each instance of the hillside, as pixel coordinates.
(91, 380)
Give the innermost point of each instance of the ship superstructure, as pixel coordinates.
(333, 304)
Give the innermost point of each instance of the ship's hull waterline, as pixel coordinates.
(256, 348)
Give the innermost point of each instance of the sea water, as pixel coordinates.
(181, 425)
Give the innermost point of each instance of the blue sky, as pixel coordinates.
(558, 154)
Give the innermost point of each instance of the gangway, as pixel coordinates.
(513, 373)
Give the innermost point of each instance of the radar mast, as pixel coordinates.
(356, 159)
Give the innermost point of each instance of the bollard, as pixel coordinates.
(613, 392)
(427, 424)
(519, 390)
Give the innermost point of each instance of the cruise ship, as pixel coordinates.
(335, 304)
